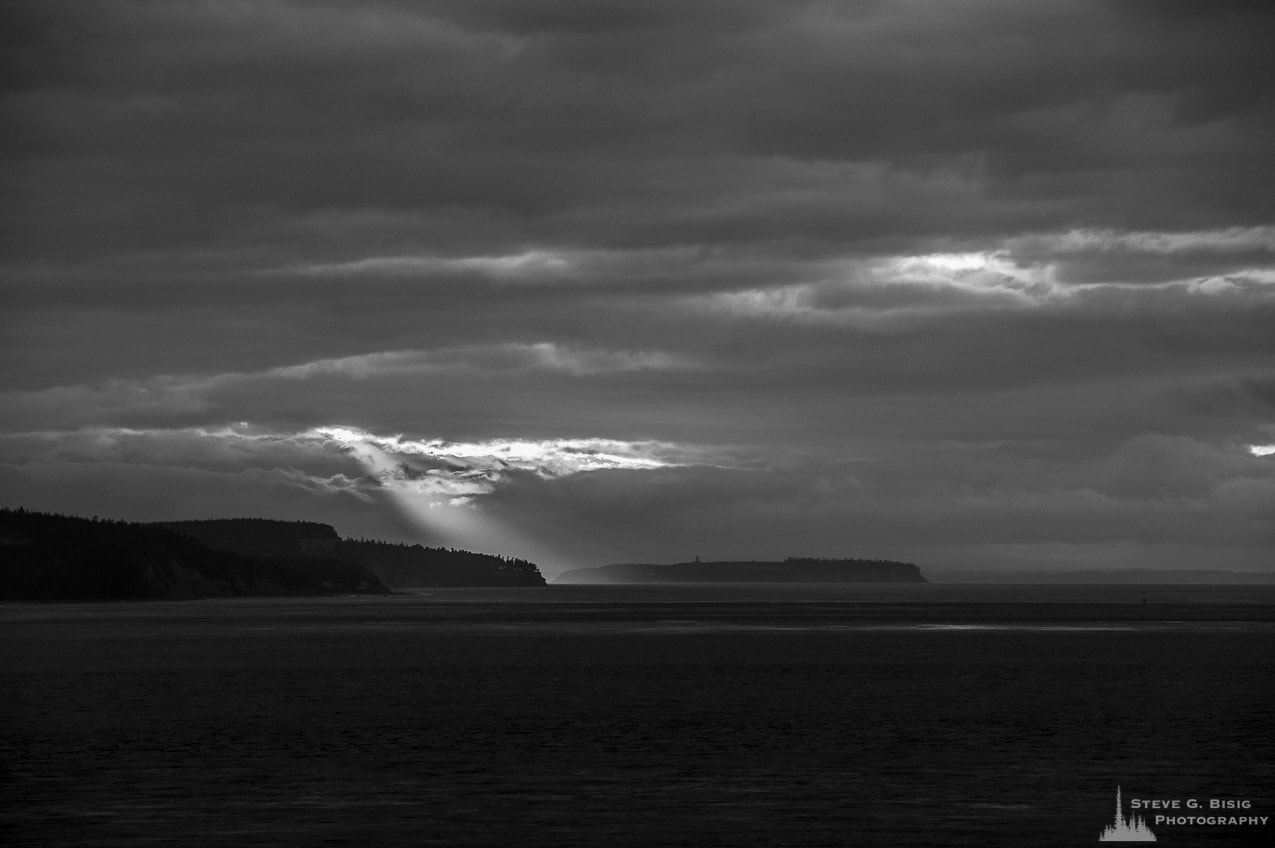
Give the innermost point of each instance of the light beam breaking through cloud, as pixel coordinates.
(439, 485)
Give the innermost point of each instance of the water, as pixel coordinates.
(645, 716)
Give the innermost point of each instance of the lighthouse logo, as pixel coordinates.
(1129, 828)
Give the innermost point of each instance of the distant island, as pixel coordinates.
(791, 570)
(58, 557)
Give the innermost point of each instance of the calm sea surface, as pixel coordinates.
(651, 716)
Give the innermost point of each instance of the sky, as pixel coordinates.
(986, 284)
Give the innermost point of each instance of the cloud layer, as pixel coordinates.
(973, 283)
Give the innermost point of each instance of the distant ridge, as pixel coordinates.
(397, 566)
(44, 556)
(259, 536)
(61, 557)
(791, 570)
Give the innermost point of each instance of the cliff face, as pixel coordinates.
(57, 557)
(788, 571)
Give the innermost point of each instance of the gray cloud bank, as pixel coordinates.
(984, 283)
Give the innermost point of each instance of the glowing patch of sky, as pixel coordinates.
(549, 457)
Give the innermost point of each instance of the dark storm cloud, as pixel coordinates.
(978, 277)
(206, 126)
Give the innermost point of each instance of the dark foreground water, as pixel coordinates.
(642, 716)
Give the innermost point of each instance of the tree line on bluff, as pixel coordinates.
(45, 556)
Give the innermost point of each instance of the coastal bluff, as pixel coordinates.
(397, 566)
(49, 557)
(791, 570)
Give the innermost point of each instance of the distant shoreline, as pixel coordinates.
(1090, 576)
(791, 570)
